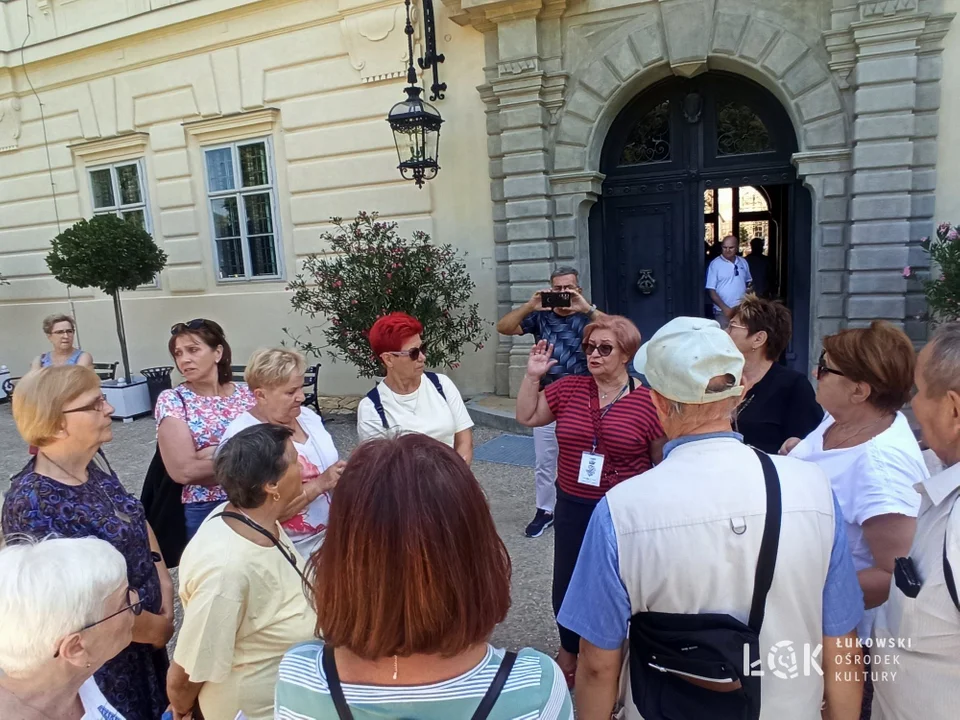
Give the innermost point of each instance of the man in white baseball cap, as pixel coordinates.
(716, 542)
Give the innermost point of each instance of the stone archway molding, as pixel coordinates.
(687, 37)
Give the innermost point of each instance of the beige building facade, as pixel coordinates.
(611, 135)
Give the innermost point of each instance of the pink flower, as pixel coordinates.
(389, 291)
(952, 234)
(353, 302)
(338, 283)
(943, 227)
(907, 271)
(394, 266)
(389, 275)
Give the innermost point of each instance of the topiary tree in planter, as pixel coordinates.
(371, 271)
(109, 253)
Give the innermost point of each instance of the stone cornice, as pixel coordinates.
(228, 128)
(485, 15)
(128, 146)
(588, 182)
(822, 162)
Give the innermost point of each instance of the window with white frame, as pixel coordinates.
(120, 189)
(240, 191)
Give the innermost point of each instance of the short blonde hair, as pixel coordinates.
(50, 321)
(272, 367)
(41, 395)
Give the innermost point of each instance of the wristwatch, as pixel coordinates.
(593, 309)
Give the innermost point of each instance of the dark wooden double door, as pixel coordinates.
(679, 144)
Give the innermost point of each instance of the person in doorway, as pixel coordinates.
(561, 328)
(66, 609)
(607, 431)
(408, 586)
(409, 398)
(922, 678)
(760, 269)
(683, 542)
(61, 331)
(192, 417)
(778, 403)
(275, 377)
(728, 280)
(242, 585)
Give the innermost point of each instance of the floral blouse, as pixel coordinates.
(207, 418)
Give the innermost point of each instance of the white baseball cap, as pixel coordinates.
(683, 356)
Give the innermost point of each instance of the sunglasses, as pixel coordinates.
(604, 350)
(96, 405)
(822, 368)
(135, 605)
(189, 325)
(413, 353)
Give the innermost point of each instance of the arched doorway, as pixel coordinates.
(687, 162)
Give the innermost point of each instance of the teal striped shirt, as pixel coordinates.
(535, 690)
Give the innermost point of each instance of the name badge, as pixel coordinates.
(591, 469)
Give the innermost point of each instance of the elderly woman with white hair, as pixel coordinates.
(66, 610)
(275, 377)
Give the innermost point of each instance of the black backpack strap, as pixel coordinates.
(374, 397)
(333, 682)
(947, 569)
(434, 378)
(496, 687)
(767, 560)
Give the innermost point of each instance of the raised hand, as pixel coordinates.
(578, 303)
(540, 360)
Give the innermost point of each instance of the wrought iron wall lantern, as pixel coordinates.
(415, 122)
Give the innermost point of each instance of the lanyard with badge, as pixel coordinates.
(591, 463)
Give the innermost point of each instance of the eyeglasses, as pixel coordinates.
(96, 405)
(604, 350)
(564, 288)
(71, 331)
(189, 325)
(822, 368)
(413, 353)
(135, 606)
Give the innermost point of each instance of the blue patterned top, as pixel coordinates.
(46, 360)
(565, 333)
(134, 681)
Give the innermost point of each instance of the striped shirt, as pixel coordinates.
(626, 431)
(535, 690)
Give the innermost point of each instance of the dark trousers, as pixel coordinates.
(570, 520)
(196, 512)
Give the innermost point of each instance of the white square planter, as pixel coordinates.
(129, 400)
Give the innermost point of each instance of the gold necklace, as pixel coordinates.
(852, 435)
(119, 514)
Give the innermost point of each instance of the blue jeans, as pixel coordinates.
(195, 513)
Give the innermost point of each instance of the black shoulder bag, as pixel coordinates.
(481, 713)
(161, 498)
(692, 666)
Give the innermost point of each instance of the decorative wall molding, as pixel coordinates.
(238, 126)
(376, 42)
(111, 149)
(886, 8)
(516, 67)
(9, 123)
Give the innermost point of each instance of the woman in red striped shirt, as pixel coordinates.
(607, 432)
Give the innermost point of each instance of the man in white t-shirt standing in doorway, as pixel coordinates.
(728, 279)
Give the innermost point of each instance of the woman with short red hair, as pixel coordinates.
(408, 586)
(410, 399)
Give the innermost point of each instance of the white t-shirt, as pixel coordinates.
(729, 279)
(95, 705)
(870, 479)
(308, 527)
(422, 411)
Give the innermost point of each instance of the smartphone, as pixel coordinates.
(555, 299)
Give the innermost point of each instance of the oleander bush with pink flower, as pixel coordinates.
(370, 270)
(943, 292)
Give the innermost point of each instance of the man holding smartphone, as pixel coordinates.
(558, 316)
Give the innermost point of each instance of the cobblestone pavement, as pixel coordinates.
(509, 490)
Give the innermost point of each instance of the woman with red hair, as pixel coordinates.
(409, 399)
